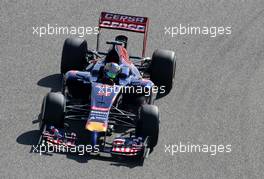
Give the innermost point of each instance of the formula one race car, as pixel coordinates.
(111, 95)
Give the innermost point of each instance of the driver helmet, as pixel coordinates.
(111, 70)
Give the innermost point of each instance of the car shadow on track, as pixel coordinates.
(29, 138)
(54, 82)
(125, 162)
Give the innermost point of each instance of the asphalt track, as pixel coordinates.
(217, 97)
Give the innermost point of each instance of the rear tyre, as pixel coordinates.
(53, 108)
(73, 55)
(148, 124)
(162, 69)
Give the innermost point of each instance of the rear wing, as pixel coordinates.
(124, 22)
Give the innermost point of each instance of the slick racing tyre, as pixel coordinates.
(73, 55)
(162, 69)
(148, 124)
(53, 108)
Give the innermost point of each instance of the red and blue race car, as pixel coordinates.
(107, 100)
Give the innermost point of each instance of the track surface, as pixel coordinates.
(217, 97)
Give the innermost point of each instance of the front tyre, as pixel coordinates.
(148, 124)
(53, 108)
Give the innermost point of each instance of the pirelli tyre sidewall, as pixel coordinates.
(53, 109)
(162, 69)
(73, 54)
(148, 124)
